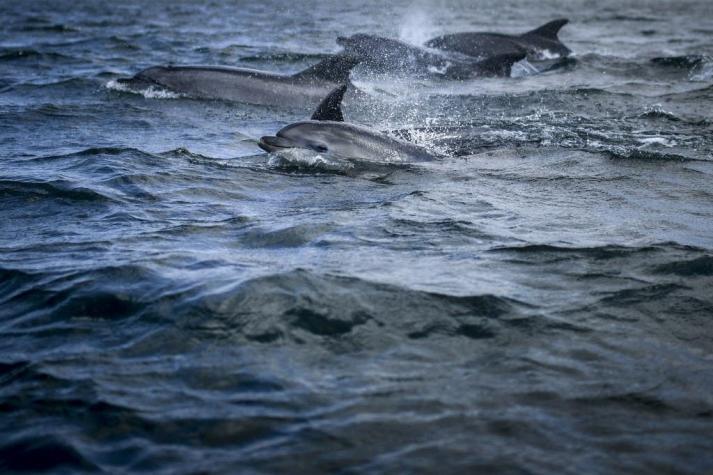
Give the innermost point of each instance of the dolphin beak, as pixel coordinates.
(273, 144)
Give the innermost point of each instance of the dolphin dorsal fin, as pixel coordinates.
(335, 69)
(501, 64)
(548, 30)
(330, 107)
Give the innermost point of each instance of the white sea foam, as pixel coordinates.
(647, 141)
(151, 92)
(302, 158)
(523, 68)
(547, 54)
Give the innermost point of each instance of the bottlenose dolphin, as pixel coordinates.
(390, 55)
(327, 134)
(540, 43)
(249, 85)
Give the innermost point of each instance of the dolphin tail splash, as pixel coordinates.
(548, 30)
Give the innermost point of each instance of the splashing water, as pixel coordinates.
(307, 159)
(522, 68)
(417, 24)
(702, 71)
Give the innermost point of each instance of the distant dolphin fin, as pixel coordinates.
(548, 30)
(335, 69)
(500, 65)
(330, 107)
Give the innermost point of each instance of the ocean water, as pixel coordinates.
(173, 300)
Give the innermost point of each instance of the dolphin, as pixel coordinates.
(390, 55)
(249, 85)
(540, 43)
(327, 134)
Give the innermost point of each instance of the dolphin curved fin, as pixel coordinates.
(330, 107)
(501, 64)
(335, 68)
(548, 30)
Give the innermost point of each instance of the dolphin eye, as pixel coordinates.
(318, 147)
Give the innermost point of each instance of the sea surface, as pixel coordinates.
(174, 300)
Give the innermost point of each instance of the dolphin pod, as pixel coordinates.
(453, 56)
(326, 133)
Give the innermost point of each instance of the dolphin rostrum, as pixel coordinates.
(540, 43)
(389, 55)
(327, 134)
(251, 86)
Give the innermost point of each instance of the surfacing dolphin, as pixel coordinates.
(305, 88)
(540, 43)
(389, 55)
(327, 134)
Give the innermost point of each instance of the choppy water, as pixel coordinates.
(172, 300)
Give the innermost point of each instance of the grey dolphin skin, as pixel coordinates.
(390, 55)
(539, 43)
(327, 134)
(251, 86)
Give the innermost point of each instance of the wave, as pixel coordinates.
(699, 267)
(55, 189)
(657, 112)
(647, 155)
(108, 293)
(699, 67)
(98, 158)
(596, 252)
(623, 17)
(301, 306)
(64, 86)
(293, 307)
(131, 435)
(14, 282)
(685, 62)
(21, 53)
(42, 453)
(604, 252)
(53, 28)
(292, 236)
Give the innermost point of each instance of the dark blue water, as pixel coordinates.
(172, 300)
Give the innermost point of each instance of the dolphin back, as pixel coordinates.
(548, 30)
(330, 107)
(333, 69)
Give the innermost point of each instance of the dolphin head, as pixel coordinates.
(323, 137)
